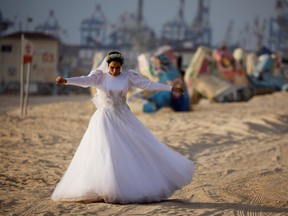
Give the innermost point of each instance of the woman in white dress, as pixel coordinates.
(118, 159)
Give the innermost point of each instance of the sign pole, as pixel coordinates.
(21, 74)
(27, 88)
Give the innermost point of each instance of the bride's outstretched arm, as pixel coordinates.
(141, 82)
(84, 81)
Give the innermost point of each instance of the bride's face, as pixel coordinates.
(114, 68)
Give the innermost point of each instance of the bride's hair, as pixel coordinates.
(115, 56)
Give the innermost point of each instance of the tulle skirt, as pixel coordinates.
(120, 161)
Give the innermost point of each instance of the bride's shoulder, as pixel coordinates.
(132, 72)
(96, 72)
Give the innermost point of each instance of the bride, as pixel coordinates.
(118, 159)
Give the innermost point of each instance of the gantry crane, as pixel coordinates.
(175, 31)
(93, 30)
(278, 27)
(51, 26)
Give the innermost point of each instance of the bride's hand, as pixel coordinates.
(60, 80)
(178, 89)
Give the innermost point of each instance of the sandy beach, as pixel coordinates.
(240, 151)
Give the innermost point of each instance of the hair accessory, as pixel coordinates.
(114, 55)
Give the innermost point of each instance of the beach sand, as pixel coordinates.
(240, 151)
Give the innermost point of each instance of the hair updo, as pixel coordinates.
(115, 56)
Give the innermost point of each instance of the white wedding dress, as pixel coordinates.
(118, 159)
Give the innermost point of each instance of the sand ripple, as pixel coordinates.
(240, 150)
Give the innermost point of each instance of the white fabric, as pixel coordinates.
(104, 66)
(118, 159)
(132, 78)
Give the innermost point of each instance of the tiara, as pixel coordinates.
(114, 55)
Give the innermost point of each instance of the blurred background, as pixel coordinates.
(219, 50)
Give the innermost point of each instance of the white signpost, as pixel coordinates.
(27, 49)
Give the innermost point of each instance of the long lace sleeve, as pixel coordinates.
(141, 82)
(91, 79)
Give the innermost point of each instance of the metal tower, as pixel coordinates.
(200, 32)
(121, 34)
(258, 32)
(140, 12)
(131, 31)
(244, 37)
(228, 35)
(175, 31)
(278, 27)
(51, 26)
(93, 30)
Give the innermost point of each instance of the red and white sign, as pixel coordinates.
(28, 49)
